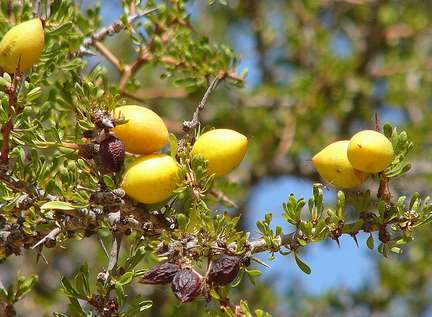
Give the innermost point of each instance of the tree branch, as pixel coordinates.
(189, 125)
(108, 55)
(115, 27)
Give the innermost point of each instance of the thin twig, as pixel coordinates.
(10, 12)
(108, 54)
(221, 196)
(383, 190)
(103, 245)
(51, 235)
(190, 125)
(115, 27)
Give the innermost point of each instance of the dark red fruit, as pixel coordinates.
(87, 151)
(224, 270)
(187, 285)
(112, 154)
(160, 274)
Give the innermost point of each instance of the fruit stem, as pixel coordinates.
(383, 190)
(377, 123)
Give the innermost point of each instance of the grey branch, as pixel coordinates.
(260, 245)
(115, 27)
(189, 125)
(115, 250)
(50, 236)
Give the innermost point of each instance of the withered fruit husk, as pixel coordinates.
(160, 274)
(87, 151)
(112, 154)
(102, 119)
(224, 270)
(187, 285)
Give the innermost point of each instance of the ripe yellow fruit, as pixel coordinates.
(224, 149)
(370, 151)
(333, 165)
(151, 178)
(144, 133)
(24, 43)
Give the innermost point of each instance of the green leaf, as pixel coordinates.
(238, 279)
(396, 250)
(173, 145)
(182, 221)
(120, 293)
(24, 286)
(254, 273)
(302, 265)
(58, 205)
(61, 29)
(126, 278)
(137, 306)
(109, 182)
(370, 242)
(76, 308)
(69, 289)
(82, 284)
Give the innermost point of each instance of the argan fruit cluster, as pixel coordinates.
(348, 163)
(153, 177)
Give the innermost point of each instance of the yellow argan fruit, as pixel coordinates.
(144, 133)
(24, 43)
(151, 178)
(224, 149)
(333, 165)
(370, 151)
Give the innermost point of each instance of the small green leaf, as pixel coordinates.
(396, 250)
(25, 285)
(370, 242)
(303, 266)
(58, 205)
(254, 272)
(109, 182)
(126, 278)
(173, 145)
(238, 279)
(69, 289)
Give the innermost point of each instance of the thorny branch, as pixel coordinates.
(291, 240)
(115, 27)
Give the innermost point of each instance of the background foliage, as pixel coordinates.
(318, 71)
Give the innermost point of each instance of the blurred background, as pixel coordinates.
(318, 70)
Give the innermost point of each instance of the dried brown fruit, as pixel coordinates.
(102, 119)
(187, 285)
(112, 154)
(88, 151)
(224, 270)
(160, 274)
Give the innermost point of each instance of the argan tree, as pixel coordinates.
(121, 192)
